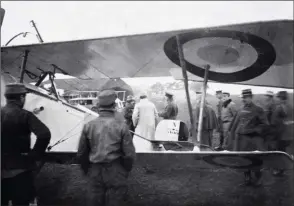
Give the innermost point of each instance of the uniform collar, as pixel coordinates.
(226, 103)
(103, 112)
(14, 103)
(249, 105)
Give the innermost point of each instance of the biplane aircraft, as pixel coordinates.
(258, 53)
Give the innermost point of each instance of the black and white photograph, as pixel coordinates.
(147, 103)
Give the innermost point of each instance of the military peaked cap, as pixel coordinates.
(107, 98)
(246, 93)
(16, 88)
(282, 95)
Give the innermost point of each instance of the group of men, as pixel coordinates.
(143, 117)
(106, 149)
(18, 160)
(268, 123)
(106, 152)
(253, 128)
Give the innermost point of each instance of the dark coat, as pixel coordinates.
(128, 113)
(106, 139)
(210, 121)
(281, 115)
(269, 109)
(250, 122)
(170, 111)
(17, 124)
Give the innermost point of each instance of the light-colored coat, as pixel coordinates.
(3, 99)
(145, 118)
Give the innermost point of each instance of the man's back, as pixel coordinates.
(107, 134)
(16, 127)
(107, 143)
(14, 130)
(145, 112)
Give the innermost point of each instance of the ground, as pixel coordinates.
(173, 186)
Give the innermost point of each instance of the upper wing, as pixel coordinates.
(254, 54)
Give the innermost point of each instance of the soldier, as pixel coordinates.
(269, 105)
(269, 108)
(128, 112)
(248, 129)
(279, 127)
(228, 113)
(171, 109)
(107, 151)
(209, 122)
(219, 96)
(145, 118)
(18, 159)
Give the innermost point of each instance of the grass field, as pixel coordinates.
(169, 183)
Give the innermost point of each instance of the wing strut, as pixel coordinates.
(23, 65)
(184, 71)
(203, 97)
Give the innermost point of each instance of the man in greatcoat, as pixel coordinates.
(209, 121)
(145, 117)
(171, 109)
(219, 106)
(280, 127)
(228, 113)
(17, 158)
(106, 153)
(269, 105)
(248, 129)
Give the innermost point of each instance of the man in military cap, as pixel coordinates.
(282, 137)
(209, 121)
(228, 113)
(219, 96)
(107, 151)
(145, 119)
(269, 105)
(18, 159)
(128, 112)
(248, 129)
(171, 109)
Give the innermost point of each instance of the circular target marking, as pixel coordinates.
(235, 162)
(212, 53)
(265, 51)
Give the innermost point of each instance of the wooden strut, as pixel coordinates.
(203, 97)
(184, 72)
(23, 65)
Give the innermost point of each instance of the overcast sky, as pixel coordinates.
(61, 21)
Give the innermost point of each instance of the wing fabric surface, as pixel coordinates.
(147, 55)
